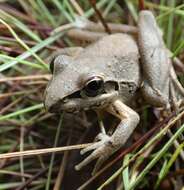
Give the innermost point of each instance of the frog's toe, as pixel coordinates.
(86, 161)
(101, 151)
(91, 147)
(102, 137)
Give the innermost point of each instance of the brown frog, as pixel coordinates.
(106, 75)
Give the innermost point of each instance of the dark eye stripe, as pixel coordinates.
(51, 65)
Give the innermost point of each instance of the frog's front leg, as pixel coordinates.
(109, 144)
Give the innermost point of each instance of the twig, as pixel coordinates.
(43, 151)
(6, 108)
(5, 95)
(77, 7)
(62, 168)
(10, 50)
(93, 4)
(141, 5)
(85, 35)
(15, 173)
(29, 181)
(136, 145)
(30, 77)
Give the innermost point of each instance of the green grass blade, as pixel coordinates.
(22, 43)
(24, 62)
(59, 5)
(53, 154)
(170, 26)
(161, 173)
(132, 9)
(27, 54)
(70, 9)
(125, 172)
(145, 147)
(46, 13)
(91, 11)
(22, 111)
(109, 7)
(169, 164)
(171, 10)
(178, 49)
(19, 25)
(157, 157)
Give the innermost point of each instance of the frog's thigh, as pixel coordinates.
(129, 120)
(155, 60)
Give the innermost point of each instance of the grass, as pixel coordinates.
(27, 41)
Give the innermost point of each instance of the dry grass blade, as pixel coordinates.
(30, 33)
(168, 123)
(42, 151)
(23, 78)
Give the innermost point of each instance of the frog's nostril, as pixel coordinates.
(65, 100)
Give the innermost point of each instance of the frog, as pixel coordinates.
(107, 75)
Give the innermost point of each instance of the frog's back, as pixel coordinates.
(116, 56)
(122, 55)
(112, 45)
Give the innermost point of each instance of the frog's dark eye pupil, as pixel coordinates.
(94, 87)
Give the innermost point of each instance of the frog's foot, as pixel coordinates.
(102, 149)
(154, 96)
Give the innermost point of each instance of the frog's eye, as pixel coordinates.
(94, 86)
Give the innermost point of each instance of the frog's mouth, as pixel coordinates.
(75, 103)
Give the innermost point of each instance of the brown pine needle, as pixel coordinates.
(42, 151)
(77, 7)
(30, 77)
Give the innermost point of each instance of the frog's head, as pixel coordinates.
(79, 84)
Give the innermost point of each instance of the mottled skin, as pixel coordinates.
(117, 61)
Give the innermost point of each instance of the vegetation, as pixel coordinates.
(30, 32)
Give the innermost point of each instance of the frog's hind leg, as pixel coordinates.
(155, 62)
(154, 96)
(161, 86)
